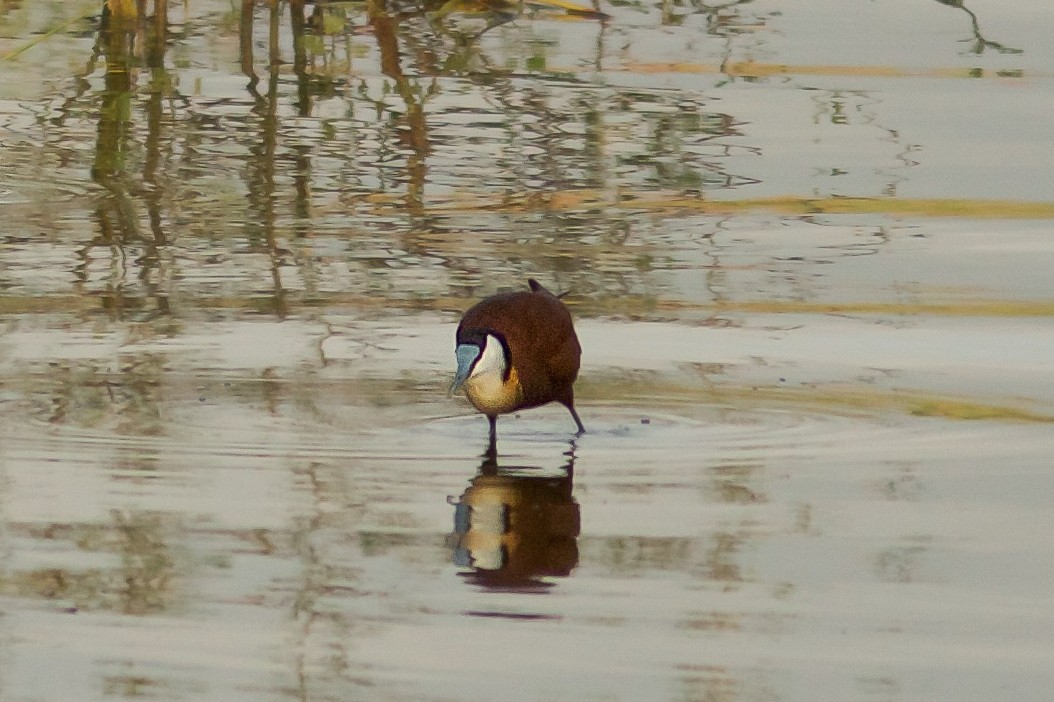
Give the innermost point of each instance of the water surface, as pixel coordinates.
(808, 250)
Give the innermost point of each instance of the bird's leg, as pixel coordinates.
(574, 416)
(569, 467)
(489, 465)
(492, 447)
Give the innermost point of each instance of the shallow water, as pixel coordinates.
(808, 250)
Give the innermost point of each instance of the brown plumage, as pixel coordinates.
(518, 350)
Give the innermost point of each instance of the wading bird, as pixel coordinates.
(517, 350)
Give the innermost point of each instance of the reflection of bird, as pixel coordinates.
(513, 528)
(517, 350)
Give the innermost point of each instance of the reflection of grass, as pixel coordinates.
(43, 36)
(671, 202)
(754, 69)
(974, 209)
(915, 404)
(838, 400)
(643, 306)
(970, 308)
(958, 409)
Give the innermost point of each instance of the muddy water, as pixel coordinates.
(808, 250)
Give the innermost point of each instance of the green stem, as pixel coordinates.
(15, 53)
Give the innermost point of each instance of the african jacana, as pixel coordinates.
(517, 350)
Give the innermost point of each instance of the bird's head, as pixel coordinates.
(479, 353)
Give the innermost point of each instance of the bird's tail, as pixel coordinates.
(538, 287)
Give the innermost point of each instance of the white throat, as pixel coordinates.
(491, 361)
(486, 387)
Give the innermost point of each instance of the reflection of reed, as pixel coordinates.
(154, 192)
(260, 167)
(445, 157)
(553, 141)
(512, 528)
(141, 582)
(416, 135)
(116, 43)
(128, 39)
(979, 41)
(716, 14)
